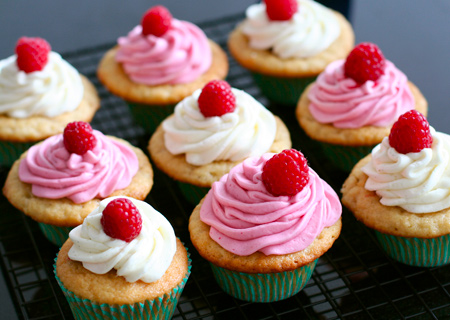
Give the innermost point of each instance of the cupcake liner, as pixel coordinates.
(419, 252)
(345, 157)
(56, 235)
(281, 90)
(159, 308)
(149, 117)
(11, 151)
(192, 193)
(263, 287)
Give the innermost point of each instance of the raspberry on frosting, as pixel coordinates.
(121, 220)
(32, 54)
(216, 99)
(411, 133)
(365, 62)
(79, 137)
(286, 173)
(280, 10)
(156, 21)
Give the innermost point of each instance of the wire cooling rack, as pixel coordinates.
(353, 280)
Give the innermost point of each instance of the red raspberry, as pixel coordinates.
(286, 173)
(32, 54)
(281, 9)
(156, 21)
(411, 133)
(79, 137)
(365, 62)
(216, 99)
(121, 220)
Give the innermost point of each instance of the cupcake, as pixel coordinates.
(158, 64)
(210, 132)
(40, 93)
(354, 102)
(263, 226)
(59, 181)
(401, 192)
(285, 44)
(123, 262)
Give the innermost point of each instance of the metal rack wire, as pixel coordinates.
(353, 280)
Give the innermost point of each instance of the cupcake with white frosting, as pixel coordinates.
(210, 132)
(286, 44)
(40, 93)
(124, 259)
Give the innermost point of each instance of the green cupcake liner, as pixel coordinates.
(263, 287)
(286, 91)
(149, 117)
(192, 193)
(159, 308)
(11, 151)
(419, 252)
(56, 235)
(345, 157)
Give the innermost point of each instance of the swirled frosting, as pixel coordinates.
(56, 89)
(340, 101)
(145, 258)
(418, 182)
(245, 218)
(311, 30)
(181, 55)
(248, 131)
(55, 173)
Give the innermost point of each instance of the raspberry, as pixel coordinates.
(411, 133)
(121, 220)
(286, 173)
(365, 62)
(156, 21)
(281, 9)
(32, 54)
(79, 137)
(216, 99)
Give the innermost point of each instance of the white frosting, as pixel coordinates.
(146, 258)
(56, 89)
(248, 131)
(311, 30)
(418, 182)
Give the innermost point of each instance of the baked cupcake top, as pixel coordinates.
(292, 29)
(219, 123)
(80, 164)
(36, 81)
(164, 50)
(274, 204)
(363, 90)
(141, 248)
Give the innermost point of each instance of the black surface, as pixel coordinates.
(354, 280)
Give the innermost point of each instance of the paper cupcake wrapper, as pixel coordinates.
(192, 193)
(11, 151)
(286, 91)
(263, 287)
(160, 308)
(345, 157)
(149, 117)
(419, 252)
(56, 235)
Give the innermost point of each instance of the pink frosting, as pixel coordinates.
(341, 101)
(181, 55)
(245, 218)
(55, 173)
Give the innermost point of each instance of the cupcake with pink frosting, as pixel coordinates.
(352, 105)
(263, 226)
(160, 62)
(59, 181)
